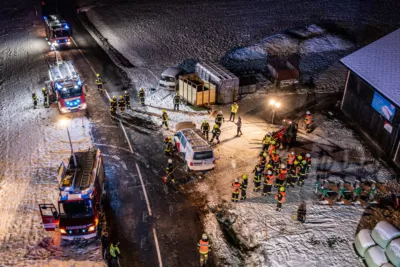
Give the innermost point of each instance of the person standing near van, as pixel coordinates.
(205, 128)
(177, 100)
(234, 109)
(169, 170)
(164, 117)
(239, 126)
(219, 119)
(215, 133)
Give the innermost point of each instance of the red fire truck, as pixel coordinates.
(81, 185)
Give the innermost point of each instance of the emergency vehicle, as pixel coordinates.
(58, 31)
(65, 87)
(81, 185)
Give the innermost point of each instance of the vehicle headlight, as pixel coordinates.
(63, 231)
(91, 228)
(83, 106)
(64, 110)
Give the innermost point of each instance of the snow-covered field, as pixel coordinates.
(33, 143)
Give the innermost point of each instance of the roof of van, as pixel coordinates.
(171, 72)
(197, 142)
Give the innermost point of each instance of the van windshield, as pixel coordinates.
(167, 79)
(203, 155)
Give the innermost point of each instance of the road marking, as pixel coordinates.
(126, 136)
(157, 247)
(83, 55)
(144, 190)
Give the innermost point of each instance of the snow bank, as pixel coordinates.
(363, 241)
(383, 233)
(393, 252)
(375, 257)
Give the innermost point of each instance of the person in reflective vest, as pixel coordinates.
(45, 97)
(294, 174)
(204, 247)
(235, 190)
(234, 109)
(268, 182)
(257, 180)
(280, 198)
(141, 95)
(276, 160)
(121, 104)
(113, 107)
(272, 146)
(290, 160)
(34, 98)
(308, 159)
(308, 120)
(267, 141)
(302, 172)
(99, 82)
(169, 171)
(127, 97)
(114, 251)
(177, 100)
(168, 149)
(205, 128)
(280, 180)
(215, 133)
(219, 119)
(243, 187)
(164, 117)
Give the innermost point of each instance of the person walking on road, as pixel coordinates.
(121, 104)
(45, 97)
(204, 247)
(114, 254)
(308, 160)
(308, 120)
(177, 100)
(302, 172)
(141, 95)
(290, 160)
(164, 117)
(267, 141)
(216, 132)
(268, 182)
(205, 128)
(280, 198)
(235, 190)
(239, 126)
(34, 98)
(99, 82)
(243, 187)
(219, 119)
(127, 97)
(280, 180)
(169, 171)
(234, 109)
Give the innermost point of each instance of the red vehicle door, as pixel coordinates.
(49, 216)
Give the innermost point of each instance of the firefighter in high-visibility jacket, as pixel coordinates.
(45, 97)
(268, 182)
(308, 160)
(308, 120)
(168, 149)
(164, 117)
(257, 180)
(127, 97)
(113, 106)
(272, 146)
(290, 160)
(280, 198)
(219, 119)
(121, 104)
(275, 160)
(99, 82)
(204, 247)
(294, 174)
(281, 178)
(302, 172)
(234, 109)
(177, 100)
(205, 128)
(141, 95)
(34, 98)
(114, 252)
(267, 141)
(235, 190)
(169, 171)
(243, 187)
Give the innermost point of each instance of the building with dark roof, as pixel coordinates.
(372, 93)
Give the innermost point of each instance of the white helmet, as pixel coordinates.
(283, 166)
(236, 180)
(169, 160)
(308, 112)
(308, 155)
(204, 237)
(220, 112)
(126, 92)
(269, 172)
(293, 153)
(258, 169)
(269, 134)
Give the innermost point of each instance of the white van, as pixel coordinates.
(170, 78)
(196, 151)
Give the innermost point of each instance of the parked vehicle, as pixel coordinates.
(58, 31)
(196, 151)
(170, 78)
(81, 186)
(65, 87)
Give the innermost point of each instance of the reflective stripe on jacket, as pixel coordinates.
(234, 108)
(203, 246)
(235, 187)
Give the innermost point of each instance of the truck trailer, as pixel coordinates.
(81, 186)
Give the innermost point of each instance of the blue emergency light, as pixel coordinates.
(45, 17)
(59, 86)
(79, 82)
(66, 26)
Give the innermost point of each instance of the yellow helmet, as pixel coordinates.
(97, 75)
(273, 151)
(114, 97)
(273, 142)
(141, 89)
(43, 89)
(163, 110)
(244, 176)
(281, 189)
(205, 121)
(120, 96)
(216, 126)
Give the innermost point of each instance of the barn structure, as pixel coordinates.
(372, 93)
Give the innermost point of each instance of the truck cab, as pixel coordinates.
(66, 87)
(58, 32)
(81, 187)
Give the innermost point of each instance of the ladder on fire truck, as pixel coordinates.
(83, 178)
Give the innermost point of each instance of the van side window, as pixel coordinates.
(183, 141)
(179, 134)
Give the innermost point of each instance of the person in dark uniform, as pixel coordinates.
(127, 100)
(34, 98)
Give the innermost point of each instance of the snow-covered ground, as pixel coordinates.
(33, 143)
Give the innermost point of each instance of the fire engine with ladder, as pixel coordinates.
(81, 185)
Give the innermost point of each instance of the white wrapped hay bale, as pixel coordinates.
(387, 265)
(393, 252)
(363, 241)
(375, 257)
(383, 233)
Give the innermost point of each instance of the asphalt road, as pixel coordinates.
(174, 219)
